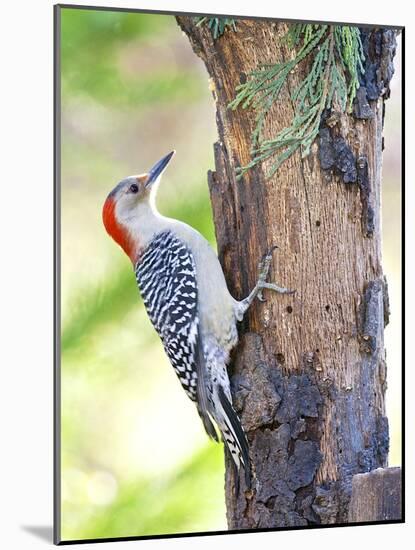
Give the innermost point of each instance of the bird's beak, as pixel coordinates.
(159, 168)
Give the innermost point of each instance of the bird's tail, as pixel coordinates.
(218, 406)
(234, 436)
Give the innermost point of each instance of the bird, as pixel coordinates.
(184, 291)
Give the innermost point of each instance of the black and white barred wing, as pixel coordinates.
(166, 277)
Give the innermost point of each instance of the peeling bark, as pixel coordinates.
(308, 378)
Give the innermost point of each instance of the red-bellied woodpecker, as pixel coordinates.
(186, 297)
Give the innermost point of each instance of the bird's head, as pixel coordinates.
(130, 199)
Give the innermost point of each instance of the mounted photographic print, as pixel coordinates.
(228, 266)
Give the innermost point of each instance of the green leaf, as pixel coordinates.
(217, 25)
(336, 60)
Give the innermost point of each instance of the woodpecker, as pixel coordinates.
(187, 300)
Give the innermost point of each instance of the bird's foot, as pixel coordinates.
(264, 267)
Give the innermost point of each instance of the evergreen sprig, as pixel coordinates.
(217, 25)
(337, 59)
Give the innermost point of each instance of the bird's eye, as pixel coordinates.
(133, 188)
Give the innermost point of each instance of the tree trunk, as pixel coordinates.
(376, 496)
(309, 375)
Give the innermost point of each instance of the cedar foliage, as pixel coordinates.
(217, 25)
(337, 61)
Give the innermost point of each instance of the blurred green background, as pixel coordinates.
(135, 459)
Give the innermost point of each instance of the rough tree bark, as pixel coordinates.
(309, 375)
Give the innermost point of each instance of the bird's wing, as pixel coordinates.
(166, 276)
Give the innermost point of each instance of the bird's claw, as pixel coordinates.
(264, 267)
(260, 296)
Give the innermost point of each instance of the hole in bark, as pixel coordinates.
(280, 358)
(327, 308)
(270, 503)
(312, 430)
(242, 208)
(289, 309)
(304, 495)
(318, 223)
(317, 350)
